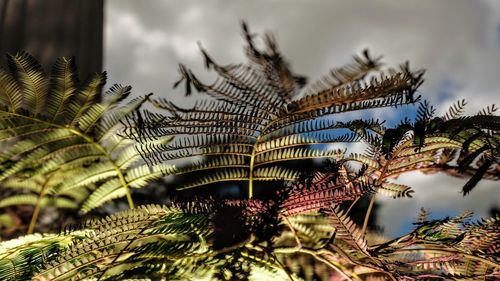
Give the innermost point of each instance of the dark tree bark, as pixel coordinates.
(49, 29)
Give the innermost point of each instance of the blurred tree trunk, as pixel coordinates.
(48, 29)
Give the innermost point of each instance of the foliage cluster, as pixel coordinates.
(66, 147)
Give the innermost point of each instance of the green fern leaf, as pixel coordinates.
(75, 137)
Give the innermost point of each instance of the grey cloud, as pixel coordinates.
(451, 39)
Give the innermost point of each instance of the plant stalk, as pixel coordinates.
(38, 206)
(367, 216)
(252, 164)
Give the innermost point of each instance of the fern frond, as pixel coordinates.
(63, 84)
(482, 237)
(136, 177)
(275, 173)
(132, 153)
(256, 114)
(489, 110)
(109, 239)
(95, 112)
(323, 191)
(89, 175)
(358, 70)
(288, 154)
(456, 110)
(215, 150)
(229, 161)
(70, 156)
(425, 111)
(377, 93)
(312, 228)
(74, 134)
(32, 184)
(444, 248)
(395, 190)
(177, 242)
(32, 78)
(21, 258)
(10, 169)
(220, 176)
(28, 145)
(32, 199)
(347, 231)
(84, 98)
(112, 122)
(301, 140)
(363, 159)
(10, 96)
(273, 67)
(277, 130)
(81, 153)
(42, 186)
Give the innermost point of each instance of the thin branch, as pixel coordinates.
(367, 215)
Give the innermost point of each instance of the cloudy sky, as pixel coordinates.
(457, 42)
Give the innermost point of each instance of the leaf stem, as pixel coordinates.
(318, 256)
(110, 159)
(252, 165)
(38, 205)
(367, 215)
(289, 224)
(352, 205)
